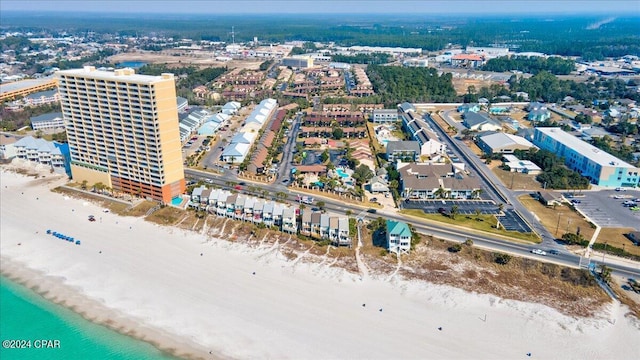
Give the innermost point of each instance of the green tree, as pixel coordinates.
(454, 211)
(362, 174)
(605, 273)
(502, 259)
(324, 156)
(337, 133)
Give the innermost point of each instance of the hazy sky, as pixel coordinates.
(631, 7)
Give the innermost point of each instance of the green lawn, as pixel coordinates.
(484, 223)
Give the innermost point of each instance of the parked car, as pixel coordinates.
(374, 199)
(576, 201)
(372, 211)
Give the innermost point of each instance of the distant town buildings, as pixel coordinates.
(123, 130)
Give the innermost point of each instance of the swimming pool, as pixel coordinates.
(385, 141)
(341, 173)
(176, 201)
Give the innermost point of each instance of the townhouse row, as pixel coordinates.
(288, 219)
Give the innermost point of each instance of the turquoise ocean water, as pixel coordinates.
(25, 315)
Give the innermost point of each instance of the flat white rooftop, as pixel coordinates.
(123, 75)
(591, 152)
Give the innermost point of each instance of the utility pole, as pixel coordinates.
(558, 225)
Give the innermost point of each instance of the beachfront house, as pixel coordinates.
(258, 207)
(278, 210)
(315, 224)
(324, 226)
(267, 213)
(333, 229)
(398, 237)
(343, 231)
(289, 222)
(305, 224)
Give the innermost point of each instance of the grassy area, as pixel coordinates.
(486, 223)
(443, 124)
(615, 237)
(517, 181)
(472, 145)
(140, 209)
(168, 215)
(562, 218)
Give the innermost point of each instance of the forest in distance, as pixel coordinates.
(552, 34)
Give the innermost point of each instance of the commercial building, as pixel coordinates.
(600, 167)
(521, 166)
(123, 130)
(503, 143)
(298, 62)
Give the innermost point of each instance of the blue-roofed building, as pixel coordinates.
(231, 107)
(398, 237)
(464, 108)
(43, 152)
(406, 107)
(538, 112)
(480, 122)
(47, 121)
(182, 103)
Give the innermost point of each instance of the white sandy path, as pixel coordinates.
(157, 276)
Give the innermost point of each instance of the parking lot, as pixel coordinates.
(465, 207)
(605, 210)
(513, 222)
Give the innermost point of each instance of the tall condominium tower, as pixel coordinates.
(123, 131)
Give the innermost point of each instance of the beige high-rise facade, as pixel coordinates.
(123, 130)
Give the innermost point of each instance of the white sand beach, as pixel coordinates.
(152, 281)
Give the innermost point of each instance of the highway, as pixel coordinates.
(438, 230)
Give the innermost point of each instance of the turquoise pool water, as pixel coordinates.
(385, 141)
(176, 201)
(341, 173)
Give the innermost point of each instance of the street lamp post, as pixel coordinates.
(604, 252)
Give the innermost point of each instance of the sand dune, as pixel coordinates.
(159, 285)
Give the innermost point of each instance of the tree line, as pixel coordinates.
(555, 175)
(530, 64)
(397, 84)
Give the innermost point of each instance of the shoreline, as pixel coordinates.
(56, 291)
(195, 289)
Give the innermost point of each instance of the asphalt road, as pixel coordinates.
(498, 188)
(443, 231)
